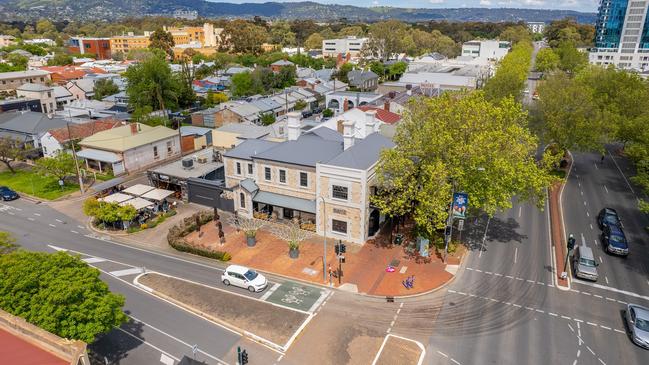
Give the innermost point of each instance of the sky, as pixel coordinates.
(579, 5)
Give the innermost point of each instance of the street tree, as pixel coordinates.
(515, 34)
(571, 118)
(511, 74)
(59, 166)
(151, 83)
(386, 39)
(462, 142)
(571, 59)
(10, 151)
(104, 88)
(7, 243)
(162, 40)
(59, 293)
(546, 60)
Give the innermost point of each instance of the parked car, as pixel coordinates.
(614, 240)
(584, 263)
(244, 277)
(306, 114)
(608, 216)
(317, 110)
(637, 318)
(7, 194)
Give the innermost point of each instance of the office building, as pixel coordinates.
(349, 45)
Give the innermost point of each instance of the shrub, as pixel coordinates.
(177, 233)
(144, 226)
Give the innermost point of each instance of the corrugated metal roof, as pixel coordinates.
(99, 155)
(363, 154)
(250, 148)
(122, 139)
(284, 201)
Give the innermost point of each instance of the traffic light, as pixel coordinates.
(244, 357)
(571, 242)
(447, 231)
(343, 248)
(337, 249)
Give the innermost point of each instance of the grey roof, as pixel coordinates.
(265, 104)
(363, 154)
(309, 149)
(324, 74)
(282, 63)
(29, 122)
(20, 74)
(236, 70)
(61, 92)
(191, 130)
(285, 201)
(99, 155)
(33, 87)
(86, 85)
(176, 169)
(358, 76)
(250, 148)
(249, 185)
(246, 130)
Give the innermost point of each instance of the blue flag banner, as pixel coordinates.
(460, 203)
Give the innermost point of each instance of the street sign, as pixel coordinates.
(460, 202)
(460, 225)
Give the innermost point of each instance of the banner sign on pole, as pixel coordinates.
(460, 202)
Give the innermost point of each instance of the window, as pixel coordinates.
(155, 152)
(304, 179)
(238, 168)
(169, 147)
(250, 169)
(339, 192)
(339, 226)
(282, 176)
(242, 200)
(267, 174)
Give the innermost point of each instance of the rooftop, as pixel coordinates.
(319, 145)
(34, 87)
(364, 153)
(29, 122)
(176, 168)
(83, 130)
(250, 148)
(121, 139)
(22, 74)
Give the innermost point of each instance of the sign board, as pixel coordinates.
(460, 225)
(460, 203)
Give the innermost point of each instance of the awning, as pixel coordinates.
(284, 201)
(99, 155)
(115, 198)
(138, 189)
(107, 184)
(137, 203)
(157, 194)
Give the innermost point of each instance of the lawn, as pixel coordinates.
(36, 185)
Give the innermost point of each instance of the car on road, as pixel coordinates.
(244, 277)
(526, 91)
(535, 96)
(637, 318)
(7, 194)
(614, 240)
(608, 216)
(584, 263)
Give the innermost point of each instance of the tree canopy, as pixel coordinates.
(151, 83)
(7, 243)
(9, 151)
(462, 140)
(59, 166)
(242, 36)
(59, 293)
(511, 74)
(162, 40)
(104, 88)
(546, 60)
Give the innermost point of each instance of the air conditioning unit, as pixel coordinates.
(202, 159)
(188, 163)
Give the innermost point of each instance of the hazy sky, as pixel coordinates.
(580, 5)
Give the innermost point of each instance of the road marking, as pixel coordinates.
(587, 214)
(598, 296)
(591, 226)
(530, 281)
(443, 354)
(584, 203)
(521, 279)
(132, 271)
(30, 219)
(566, 317)
(611, 299)
(618, 331)
(553, 314)
(592, 324)
(540, 311)
(37, 214)
(470, 269)
(488, 272)
(578, 321)
(605, 277)
(478, 270)
(80, 227)
(51, 225)
(515, 254)
(600, 260)
(596, 168)
(58, 220)
(166, 360)
(596, 244)
(578, 353)
(498, 274)
(605, 188)
(163, 353)
(93, 260)
(391, 324)
(520, 211)
(269, 292)
(582, 192)
(584, 293)
(455, 362)
(55, 248)
(484, 236)
(606, 328)
(625, 179)
(600, 360)
(591, 350)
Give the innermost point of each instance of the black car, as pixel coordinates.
(8, 194)
(607, 217)
(306, 114)
(614, 240)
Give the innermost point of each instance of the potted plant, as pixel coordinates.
(249, 226)
(293, 234)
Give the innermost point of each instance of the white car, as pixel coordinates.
(244, 277)
(526, 91)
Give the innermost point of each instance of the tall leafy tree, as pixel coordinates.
(386, 39)
(59, 293)
(60, 166)
(314, 41)
(547, 60)
(10, 151)
(280, 33)
(511, 74)
(163, 41)
(515, 34)
(571, 59)
(104, 88)
(241, 36)
(464, 141)
(151, 83)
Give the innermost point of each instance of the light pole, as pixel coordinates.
(324, 232)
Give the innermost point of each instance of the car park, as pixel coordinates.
(637, 318)
(614, 240)
(608, 216)
(244, 277)
(584, 263)
(7, 194)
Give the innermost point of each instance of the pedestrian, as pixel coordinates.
(602, 161)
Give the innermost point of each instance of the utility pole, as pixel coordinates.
(448, 231)
(74, 155)
(324, 230)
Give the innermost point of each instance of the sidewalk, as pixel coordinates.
(363, 272)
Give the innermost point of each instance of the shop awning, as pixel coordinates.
(137, 203)
(99, 155)
(157, 194)
(138, 189)
(284, 201)
(115, 198)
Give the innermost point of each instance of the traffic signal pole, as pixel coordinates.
(570, 245)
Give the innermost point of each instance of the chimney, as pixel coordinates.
(409, 89)
(386, 105)
(370, 122)
(345, 105)
(348, 134)
(293, 124)
(134, 128)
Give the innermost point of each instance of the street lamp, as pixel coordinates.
(324, 231)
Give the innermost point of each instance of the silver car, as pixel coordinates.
(584, 263)
(637, 318)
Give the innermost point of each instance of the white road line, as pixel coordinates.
(605, 188)
(401, 305)
(566, 317)
(51, 225)
(618, 331)
(520, 279)
(470, 269)
(58, 220)
(623, 176)
(591, 226)
(498, 274)
(598, 296)
(37, 214)
(600, 360)
(125, 272)
(606, 328)
(80, 227)
(600, 260)
(592, 324)
(553, 314)
(165, 353)
(530, 281)
(398, 310)
(93, 260)
(520, 211)
(611, 299)
(509, 277)
(455, 362)
(605, 277)
(578, 321)
(584, 293)
(574, 362)
(269, 292)
(596, 243)
(591, 350)
(30, 219)
(596, 168)
(578, 353)
(515, 254)
(488, 272)
(540, 311)
(73, 231)
(582, 192)
(516, 305)
(478, 270)
(443, 354)
(584, 203)
(392, 324)
(572, 329)
(587, 214)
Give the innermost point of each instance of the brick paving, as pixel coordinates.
(365, 265)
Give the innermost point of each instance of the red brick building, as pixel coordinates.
(100, 47)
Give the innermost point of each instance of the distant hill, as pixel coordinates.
(115, 9)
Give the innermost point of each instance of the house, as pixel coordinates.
(44, 93)
(397, 101)
(20, 104)
(119, 99)
(225, 113)
(130, 148)
(63, 74)
(28, 127)
(63, 97)
(342, 101)
(56, 139)
(195, 138)
(236, 70)
(83, 89)
(363, 80)
(279, 64)
(323, 178)
(362, 116)
(11, 80)
(45, 41)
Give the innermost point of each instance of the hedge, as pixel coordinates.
(177, 233)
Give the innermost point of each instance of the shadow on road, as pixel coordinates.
(114, 346)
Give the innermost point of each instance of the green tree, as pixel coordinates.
(242, 84)
(108, 213)
(397, 69)
(444, 45)
(267, 118)
(570, 115)
(10, 151)
(7, 243)
(280, 33)
(511, 74)
(59, 293)
(104, 88)
(546, 60)
(151, 83)
(44, 26)
(163, 41)
(342, 72)
(242, 36)
(18, 61)
(327, 113)
(515, 34)
(300, 104)
(571, 59)
(60, 59)
(351, 31)
(60, 166)
(378, 68)
(314, 41)
(303, 29)
(386, 39)
(464, 141)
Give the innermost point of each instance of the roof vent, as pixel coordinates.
(188, 163)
